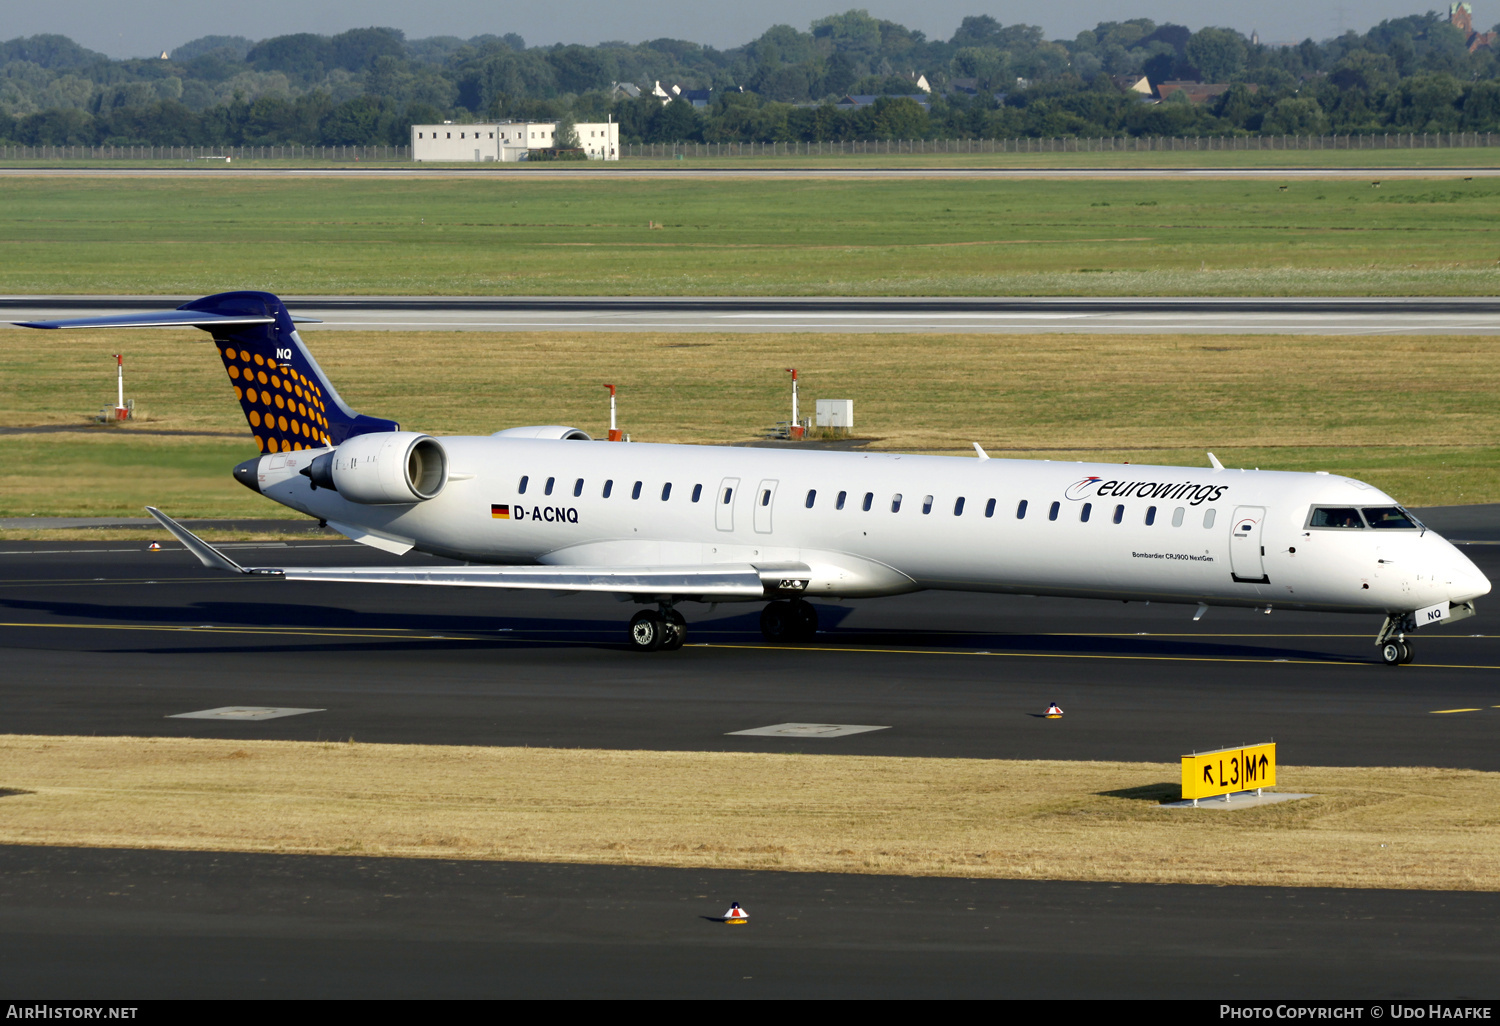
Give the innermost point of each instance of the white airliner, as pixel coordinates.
(547, 508)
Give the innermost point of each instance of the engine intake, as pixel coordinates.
(383, 468)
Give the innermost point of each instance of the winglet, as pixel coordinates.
(1215, 461)
(980, 450)
(206, 553)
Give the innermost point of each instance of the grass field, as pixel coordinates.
(1366, 827)
(506, 235)
(1415, 416)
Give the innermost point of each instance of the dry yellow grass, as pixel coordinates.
(1401, 828)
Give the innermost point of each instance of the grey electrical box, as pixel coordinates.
(836, 413)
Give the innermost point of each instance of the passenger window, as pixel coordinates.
(728, 494)
(896, 503)
(958, 506)
(926, 504)
(548, 489)
(1119, 514)
(1177, 516)
(1052, 514)
(578, 488)
(697, 492)
(609, 486)
(1208, 517)
(1150, 516)
(635, 493)
(812, 495)
(522, 490)
(840, 503)
(765, 497)
(869, 500)
(666, 491)
(1336, 516)
(1083, 516)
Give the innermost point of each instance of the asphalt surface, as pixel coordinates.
(108, 638)
(81, 923)
(1336, 315)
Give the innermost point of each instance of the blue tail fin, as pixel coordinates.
(288, 400)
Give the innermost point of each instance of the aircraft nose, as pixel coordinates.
(1465, 580)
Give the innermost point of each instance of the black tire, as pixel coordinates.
(807, 619)
(647, 631)
(778, 622)
(1391, 653)
(1408, 652)
(674, 631)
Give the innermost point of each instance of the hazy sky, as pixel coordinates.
(139, 28)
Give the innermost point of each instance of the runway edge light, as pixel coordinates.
(1226, 771)
(1054, 712)
(735, 915)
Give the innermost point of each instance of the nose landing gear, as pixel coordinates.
(1395, 649)
(1396, 653)
(652, 631)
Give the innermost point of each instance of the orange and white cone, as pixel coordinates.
(735, 914)
(155, 546)
(1054, 712)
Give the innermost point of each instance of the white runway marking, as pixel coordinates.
(242, 712)
(806, 730)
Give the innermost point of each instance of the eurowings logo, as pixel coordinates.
(1079, 490)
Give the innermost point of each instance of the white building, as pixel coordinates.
(508, 140)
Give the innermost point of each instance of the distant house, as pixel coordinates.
(856, 102)
(508, 141)
(1198, 92)
(625, 89)
(1461, 17)
(697, 97)
(1137, 84)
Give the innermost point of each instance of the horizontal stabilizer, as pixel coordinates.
(162, 319)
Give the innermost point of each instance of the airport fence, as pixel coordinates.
(849, 147)
(1106, 144)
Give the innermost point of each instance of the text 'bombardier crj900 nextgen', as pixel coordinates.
(545, 508)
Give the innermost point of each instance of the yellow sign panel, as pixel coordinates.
(1205, 774)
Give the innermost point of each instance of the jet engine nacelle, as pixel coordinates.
(383, 468)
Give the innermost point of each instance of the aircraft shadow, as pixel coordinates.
(495, 630)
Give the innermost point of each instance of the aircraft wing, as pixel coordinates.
(715, 581)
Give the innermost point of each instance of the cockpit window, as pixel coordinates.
(1336, 516)
(1390, 517)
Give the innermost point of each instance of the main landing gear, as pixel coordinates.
(796, 620)
(652, 631)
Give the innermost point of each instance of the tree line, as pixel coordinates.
(989, 80)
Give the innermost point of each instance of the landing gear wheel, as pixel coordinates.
(807, 619)
(778, 622)
(675, 631)
(1393, 653)
(647, 631)
(1408, 652)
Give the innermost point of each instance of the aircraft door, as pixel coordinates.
(1246, 553)
(724, 503)
(765, 501)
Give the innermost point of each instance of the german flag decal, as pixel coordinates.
(499, 511)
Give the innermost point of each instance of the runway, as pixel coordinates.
(514, 173)
(108, 638)
(1164, 315)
